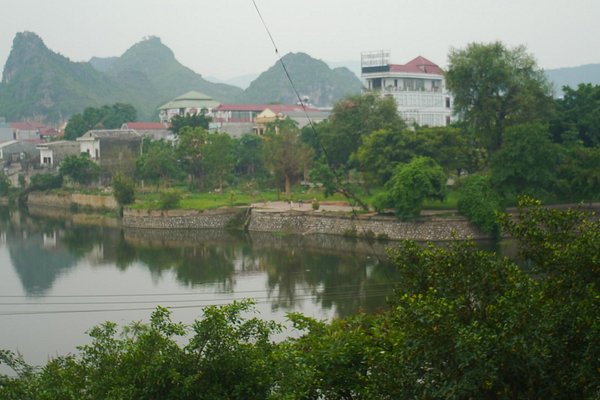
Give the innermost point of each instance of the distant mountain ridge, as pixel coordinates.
(573, 76)
(39, 84)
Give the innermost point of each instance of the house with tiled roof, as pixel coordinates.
(418, 87)
(152, 130)
(191, 103)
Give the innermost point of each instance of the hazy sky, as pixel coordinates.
(225, 38)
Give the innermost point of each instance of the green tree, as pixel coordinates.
(352, 119)
(190, 153)
(494, 87)
(578, 115)
(219, 157)
(200, 120)
(158, 163)
(285, 154)
(381, 151)
(249, 154)
(123, 189)
(480, 203)
(422, 178)
(81, 169)
(526, 163)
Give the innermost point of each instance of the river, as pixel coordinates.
(58, 279)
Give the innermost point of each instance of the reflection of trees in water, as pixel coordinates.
(335, 273)
(348, 283)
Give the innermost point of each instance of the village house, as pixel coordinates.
(418, 87)
(114, 149)
(152, 130)
(53, 153)
(191, 103)
(16, 158)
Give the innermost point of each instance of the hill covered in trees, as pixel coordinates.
(313, 78)
(41, 84)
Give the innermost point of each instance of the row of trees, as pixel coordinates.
(464, 324)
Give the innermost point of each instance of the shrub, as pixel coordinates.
(480, 203)
(169, 199)
(123, 189)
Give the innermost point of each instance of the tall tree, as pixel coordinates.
(494, 87)
(219, 157)
(526, 163)
(190, 153)
(158, 163)
(284, 153)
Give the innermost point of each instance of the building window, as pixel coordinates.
(447, 102)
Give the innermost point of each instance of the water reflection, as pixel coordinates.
(334, 273)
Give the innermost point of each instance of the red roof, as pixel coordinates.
(419, 65)
(276, 108)
(145, 125)
(27, 126)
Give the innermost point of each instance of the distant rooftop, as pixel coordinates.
(110, 133)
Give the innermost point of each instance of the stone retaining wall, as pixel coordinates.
(181, 219)
(363, 226)
(304, 223)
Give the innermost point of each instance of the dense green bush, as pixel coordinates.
(123, 189)
(479, 202)
(169, 199)
(45, 181)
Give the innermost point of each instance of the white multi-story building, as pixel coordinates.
(418, 87)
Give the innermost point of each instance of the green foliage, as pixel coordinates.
(578, 173)
(81, 169)
(526, 163)
(45, 181)
(105, 117)
(158, 163)
(285, 154)
(219, 157)
(200, 120)
(480, 203)
(578, 115)
(169, 199)
(351, 120)
(381, 151)
(248, 155)
(422, 178)
(123, 189)
(495, 87)
(190, 152)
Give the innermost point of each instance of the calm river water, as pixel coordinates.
(58, 279)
